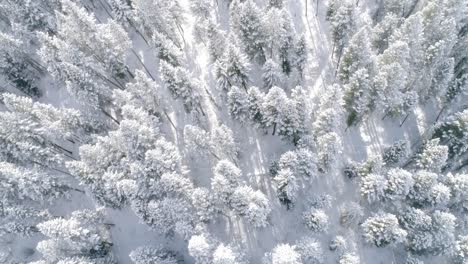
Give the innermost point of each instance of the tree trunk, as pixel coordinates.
(110, 116)
(316, 8)
(404, 120)
(170, 120)
(144, 66)
(274, 129)
(440, 113)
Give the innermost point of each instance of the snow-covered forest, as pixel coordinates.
(234, 131)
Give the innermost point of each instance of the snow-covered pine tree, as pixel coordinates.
(279, 37)
(226, 179)
(433, 156)
(250, 29)
(349, 258)
(424, 182)
(300, 55)
(222, 142)
(391, 81)
(150, 254)
(273, 107)
(287, 187)
(225, 254)
(179, 82)
(83, 234)
(160, 16)
(90, 62)
(310, 250)
(238, 103)
(383, 31)
(398, 185)
(272, 75)
(24, 141)
(233, 67)
(255, 106)
(372, 187)
(458, 184)
(395, 153)
(342, 18)
(253, 205)
(201, 248)
(356, 72)
(383, 229)
(167, 50)
(216, 41)
(357, 55)
(302, 162)
(56, 123)
(205, 204)
(18, 66)
(454, 133)
(316, 220)
(143, 93)
(283, 254)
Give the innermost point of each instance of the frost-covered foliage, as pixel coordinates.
(283, 254)
(148, 255)
(349, 258)
(395, 153)
(83, 234)
(201, 249)
(189, 119)
(383, 229)
(433, 156)
(310, 250)
(316, 220)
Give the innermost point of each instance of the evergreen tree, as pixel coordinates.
(238, 103)
(372, 187)
(433, 156)
(287, 186)
(226, 179)
(233, 68)
(160, 16)
(342, 17)
(302, 162)
(167, 49)
(349, 258)
(272, 75)
(300, 55)
(273, 105)
(83, 234)
(399, 184)
(253, 205)
(216, 41)
(148, 255)
(255, 106)
(453, 133)
(458, 185)
(250, 30)
(201, 248)
(204, 203)
(310, 249)
(283, 254)
(141, 93)
(227, 255)
(178, 81)
(19, 67)
(316, 220)
(395, 153)
(392, 80)
(382, 230)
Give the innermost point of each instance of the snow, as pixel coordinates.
(258, 149)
